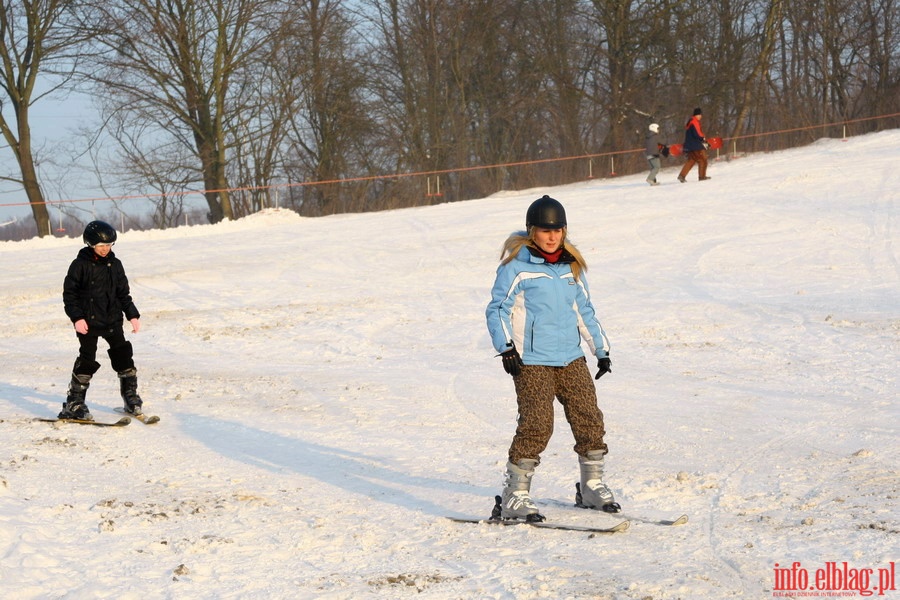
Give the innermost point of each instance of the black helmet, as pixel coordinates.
(98, 232)
(546, 213)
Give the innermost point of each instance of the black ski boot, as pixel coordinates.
(74, 407)
(128, 386)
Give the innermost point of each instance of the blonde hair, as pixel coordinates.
(516, 241)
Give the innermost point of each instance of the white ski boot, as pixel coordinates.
(592, 492)
(516, 502)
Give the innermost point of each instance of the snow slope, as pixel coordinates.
(328, 394)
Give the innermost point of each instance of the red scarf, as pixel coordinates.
(552, 257)
(696, 123)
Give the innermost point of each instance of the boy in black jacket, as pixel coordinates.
(96, 294)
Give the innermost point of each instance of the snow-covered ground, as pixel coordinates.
(329, 394)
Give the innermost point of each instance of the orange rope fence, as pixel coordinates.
(430, 173)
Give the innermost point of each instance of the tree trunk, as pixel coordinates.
(29, 174)
(214, 180)
(35, 197)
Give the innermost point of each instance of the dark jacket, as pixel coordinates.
(96, 290)
(693, 136)
(651, 144)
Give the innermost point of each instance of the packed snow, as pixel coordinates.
(328, 395)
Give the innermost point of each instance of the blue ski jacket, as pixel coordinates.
(541, 309)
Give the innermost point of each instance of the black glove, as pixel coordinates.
(665, 151)
(512, 362)
(605, 366)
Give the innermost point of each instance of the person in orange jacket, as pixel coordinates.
(694, 147)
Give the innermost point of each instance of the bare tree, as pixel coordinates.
(260, 129)
(881, 36)
(646, 56)
(172, 64)
(37, 38)
(330, 123)
(458, 84)
(411, 92)
(750, 93)
(500, 92)
(246, 94)
(146, 162)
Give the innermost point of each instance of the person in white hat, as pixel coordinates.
(654, 150)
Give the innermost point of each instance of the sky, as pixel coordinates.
(54, 126)
(328, 395)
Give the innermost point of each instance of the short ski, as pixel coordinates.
(664, 522)
(145, 419)
(683, 519)
(648, 521)
(120, 423)
(547, 525)
(539, 521)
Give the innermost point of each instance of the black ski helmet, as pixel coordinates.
(546, 213)
(99, 232)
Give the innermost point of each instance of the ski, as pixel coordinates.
(647, 521)
(682, 520)
(539, 522)
(120, 423)
(145, 419)
(546, 525)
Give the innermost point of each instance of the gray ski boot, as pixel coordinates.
(74, 407)
(515, 502)
(592, 492)
(128, 387)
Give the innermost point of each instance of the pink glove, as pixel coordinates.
(135, 325)
(81, 326)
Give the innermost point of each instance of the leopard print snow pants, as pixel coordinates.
(536, 388)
